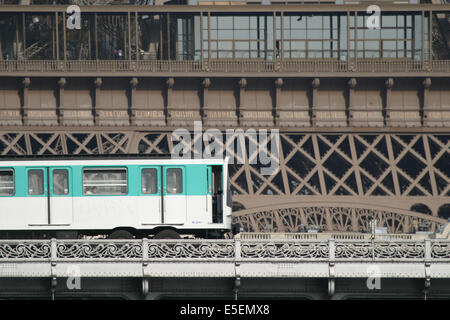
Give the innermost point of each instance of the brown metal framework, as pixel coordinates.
(359, 138)
(167, 64)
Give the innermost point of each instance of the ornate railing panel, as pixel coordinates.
(283, 250)
(380, 250)
(440, 250)
(191, 250)
(26, 250)
(354, 250)
(223, 250)
(398, 250)
(99, 250)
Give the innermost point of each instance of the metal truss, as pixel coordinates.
(373, 170)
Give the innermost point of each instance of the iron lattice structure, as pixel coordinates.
(336, 181)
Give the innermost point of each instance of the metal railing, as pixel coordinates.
(223, 250)
(225, 66)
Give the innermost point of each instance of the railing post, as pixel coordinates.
(331, 266)
(53, 257)
(427, 254)
(145, 250)
(237, 264)
(237, 249)
(145, 281)
(427, 266)
(331, 250)
(53, 250)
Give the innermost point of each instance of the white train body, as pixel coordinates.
(189, 196)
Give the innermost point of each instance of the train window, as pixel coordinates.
(174, 181)
(105, 181)
(149, 181)
(35, 182)
(60, 182)
(6, 182)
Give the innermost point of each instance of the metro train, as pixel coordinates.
(119, 198)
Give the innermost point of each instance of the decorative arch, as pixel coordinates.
(421, 208)
(444, 211)
(331, 217)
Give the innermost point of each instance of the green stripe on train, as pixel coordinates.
(194, 182)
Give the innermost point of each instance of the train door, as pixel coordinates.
(150, 200)
(61, 201)
(217, 194)
(38, 202)
(174, 195)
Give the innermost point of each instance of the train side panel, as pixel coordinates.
(77, 208)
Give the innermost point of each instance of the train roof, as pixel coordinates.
(96, 159)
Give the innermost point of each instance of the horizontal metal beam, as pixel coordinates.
(169, 129)
(220, 68)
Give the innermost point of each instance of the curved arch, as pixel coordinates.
(444, 211)
(238, 206)
(421, 208)
(336, 216)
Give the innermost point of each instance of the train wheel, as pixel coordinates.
(167, 234)
(120, 234)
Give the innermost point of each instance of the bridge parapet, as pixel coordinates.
(224, 258)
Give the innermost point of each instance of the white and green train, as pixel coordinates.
(119, 197)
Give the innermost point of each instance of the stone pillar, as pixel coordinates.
(389, 84)
(60, 106)
(97, 95)
(242, 86)
(206, 83)
(356, 117)
(25, 87)
(278, 85)
(430, 117)
(170, 82)
(315, 84)
(133, 85)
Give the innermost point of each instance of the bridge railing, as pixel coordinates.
(226, 66)
(223, 250)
